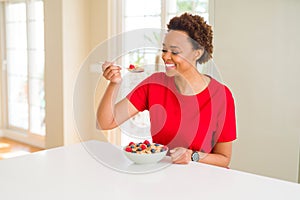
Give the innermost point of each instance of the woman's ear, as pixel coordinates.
(198, 53)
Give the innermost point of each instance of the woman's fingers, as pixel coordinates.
(180, 155)
(177, 153)
(112, 72)
(106, 64)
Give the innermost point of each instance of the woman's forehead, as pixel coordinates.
(176, 38)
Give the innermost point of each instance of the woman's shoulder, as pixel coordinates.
(218, 86)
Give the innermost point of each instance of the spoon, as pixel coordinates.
(132, 68)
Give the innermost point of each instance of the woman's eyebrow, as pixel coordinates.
(172, 46)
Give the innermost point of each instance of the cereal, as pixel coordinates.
(145, 147)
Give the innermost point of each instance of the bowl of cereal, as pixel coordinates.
(145, 152)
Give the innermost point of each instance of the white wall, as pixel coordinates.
(76, 43)
(54, 73)
(257, 49)
(1, 46)
(73, 29)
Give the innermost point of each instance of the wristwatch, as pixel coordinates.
(195, 156)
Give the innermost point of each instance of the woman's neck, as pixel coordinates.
(191, 82)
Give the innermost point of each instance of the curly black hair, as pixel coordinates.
(200, 33)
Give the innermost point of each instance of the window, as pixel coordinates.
(157, 13)
(139, 14)
(24, 61)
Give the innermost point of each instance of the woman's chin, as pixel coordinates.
(171, 72)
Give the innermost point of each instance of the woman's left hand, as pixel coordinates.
(181, 155)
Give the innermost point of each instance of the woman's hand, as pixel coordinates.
(181, 155)
(112, 72)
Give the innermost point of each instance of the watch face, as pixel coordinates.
(195, 156)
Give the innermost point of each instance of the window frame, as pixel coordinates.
(117, 26)
(6, 130)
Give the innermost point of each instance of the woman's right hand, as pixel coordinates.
(111, 72)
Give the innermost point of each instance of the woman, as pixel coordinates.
(191, 113)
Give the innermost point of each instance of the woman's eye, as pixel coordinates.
(173, 52)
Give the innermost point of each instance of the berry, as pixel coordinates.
(131, 143)
(131, 66)
(143, 146)
(146, 142)
(152, 150)
(139, 149)
(128, 149)
(156, 144)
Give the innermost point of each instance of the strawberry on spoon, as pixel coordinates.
(133, 68)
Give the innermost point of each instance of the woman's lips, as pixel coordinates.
(170, 66)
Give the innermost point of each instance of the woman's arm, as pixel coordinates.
(220, 155)
(109, 114)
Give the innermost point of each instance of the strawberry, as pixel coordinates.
(146, 142)
(131, 66)
(128, 149)
(131, 143)
(143, 146)
(165, 148)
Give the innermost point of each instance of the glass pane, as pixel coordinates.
(16, 35)
(37, 63)
(36, 36)
(16, 44)
(142, 14)
(16, 12)
(17, 62)
(18, 102)
(17, 89)
(37, 120)
(37, 93)
(131, 23)
(36, 10)
(36, 67)
(18, 115)
(199, 7)
(142, 7)
(177, 7)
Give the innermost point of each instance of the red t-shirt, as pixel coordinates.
(196, 122)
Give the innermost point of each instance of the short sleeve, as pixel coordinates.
(228, 132)
(139, 96)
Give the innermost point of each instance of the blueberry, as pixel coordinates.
(132, 146)
(148, 145)
(156, 144)
(152, 150)
(133, 152)
(139, 149)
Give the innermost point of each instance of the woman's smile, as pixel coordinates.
(170, 66)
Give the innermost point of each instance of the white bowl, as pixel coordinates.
(145, 158)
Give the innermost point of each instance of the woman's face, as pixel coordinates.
(178, 53)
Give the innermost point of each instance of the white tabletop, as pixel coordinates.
(78, 172)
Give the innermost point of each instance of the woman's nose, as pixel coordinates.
(166, 55)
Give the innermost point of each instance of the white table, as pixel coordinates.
(73, 172)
